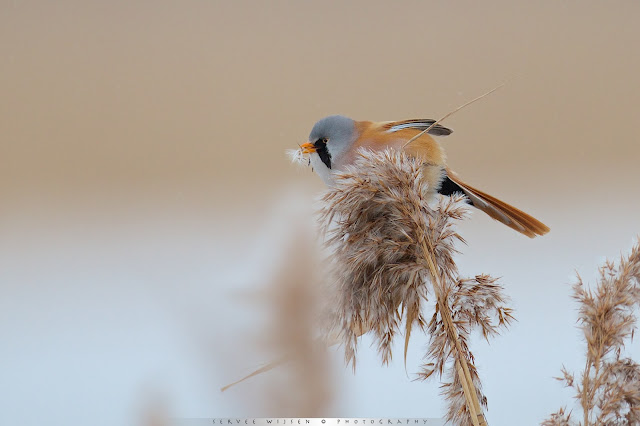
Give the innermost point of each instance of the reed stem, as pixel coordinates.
(464, 375)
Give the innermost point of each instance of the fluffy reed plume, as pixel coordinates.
(390, 249)
(474, 303)
(609, 387)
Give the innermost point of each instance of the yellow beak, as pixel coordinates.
(308, 148)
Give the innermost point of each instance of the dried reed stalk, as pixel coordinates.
(449, 114)
(609, 387)
(387, 245)
(461, 365)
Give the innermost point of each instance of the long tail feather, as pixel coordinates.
(501, 211)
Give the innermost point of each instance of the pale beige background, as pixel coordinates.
(142, 153)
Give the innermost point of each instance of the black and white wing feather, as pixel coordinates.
(418, 124)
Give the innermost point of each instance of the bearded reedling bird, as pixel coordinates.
(335, 140)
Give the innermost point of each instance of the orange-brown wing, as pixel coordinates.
(501, 211)
(376, 136)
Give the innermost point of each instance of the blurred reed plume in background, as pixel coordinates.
(390, 250)
(292, 299)
(304, 387)
(609, 387)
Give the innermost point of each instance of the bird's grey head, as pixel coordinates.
(332, 137)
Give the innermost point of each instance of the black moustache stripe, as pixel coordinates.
(323, 152)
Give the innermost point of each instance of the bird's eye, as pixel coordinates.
(321, 143)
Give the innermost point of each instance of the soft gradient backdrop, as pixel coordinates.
(145, 191)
